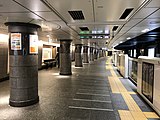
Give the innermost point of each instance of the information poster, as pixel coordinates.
(33, 44)
(16, 41)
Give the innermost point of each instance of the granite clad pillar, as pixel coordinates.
(78, 57)
(23, 64)
(104, 53)
(85, 54)
(65, 57)
(95, 53)
(100, 53)
(91, 54)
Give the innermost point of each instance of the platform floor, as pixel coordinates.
(94, 92)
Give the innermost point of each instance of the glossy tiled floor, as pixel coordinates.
(85, 95)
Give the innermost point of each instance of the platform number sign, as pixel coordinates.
(16, 41)
(33, 44)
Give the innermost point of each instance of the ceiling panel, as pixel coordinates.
(72, 5)
(148, 23)
(155, 15)
(124, 29)
(144, 12)
(154, 3)
(111, 10)
(33, 5)
(19, 17)
(132, 22)
(49, 16)
(10, 6)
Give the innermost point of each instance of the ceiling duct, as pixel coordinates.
(126, 13)
(76, 15)
(84, 28)
(114, 28)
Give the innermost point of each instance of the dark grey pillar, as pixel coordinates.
(103, 53)
(100, 54)
(95, 53)
(85, 54)
(65, 57)
(73, 53)
(78, 57)
(40, 48)
(91, 54)
(23, 64)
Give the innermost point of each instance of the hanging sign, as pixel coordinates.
(33, 44)
(16, 41)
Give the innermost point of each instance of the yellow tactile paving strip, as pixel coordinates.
(134, 112)
(150, 114)
(125, 115)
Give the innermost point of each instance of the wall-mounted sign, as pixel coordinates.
(33, 44)
(16, 41)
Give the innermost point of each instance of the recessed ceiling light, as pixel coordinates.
(128, 38)
(121, 42)
(145, 30)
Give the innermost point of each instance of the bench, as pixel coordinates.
(50, 63)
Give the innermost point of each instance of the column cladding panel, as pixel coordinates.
(23, 65)
(65, 57)
(78, 57)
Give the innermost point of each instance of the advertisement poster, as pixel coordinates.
(16, 41)
(33, 44)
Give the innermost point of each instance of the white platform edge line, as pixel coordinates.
(88, 100)
(86, 108)
(92, 94)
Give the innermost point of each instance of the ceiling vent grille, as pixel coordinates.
(114, 28)
(84, 28)
(76, 15)
(126, 13)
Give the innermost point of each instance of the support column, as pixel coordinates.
(23, 64)
(85, 54)
(100, 53)
(104, 53)
(95, 53)
(91, 54)
(65, 57)
(78, 57)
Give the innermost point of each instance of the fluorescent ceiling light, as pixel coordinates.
(106, 36)
(128, 38)
(106, 31)
(145, 30)
(121, 42)
(100, 31)
(94, 32)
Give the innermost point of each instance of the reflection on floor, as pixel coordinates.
(94, 92)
